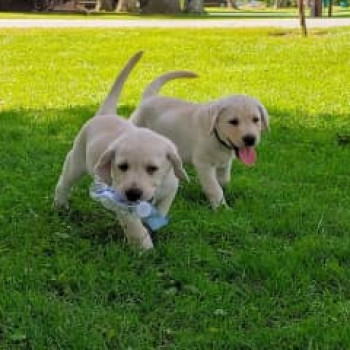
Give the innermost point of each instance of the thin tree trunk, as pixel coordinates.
(330, 8)
(316, 8)
(185, 5)
(302, 17)
(105, 5)
(232, 4)
(126, 6)
(161, 6)
(194, 6)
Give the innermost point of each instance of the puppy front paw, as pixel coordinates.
(220, 204)
(143, 243)
(59, 204)
(224, 181)
(140, 238)
(146, 243)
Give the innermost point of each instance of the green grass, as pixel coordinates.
(211, 13)
(273, 272)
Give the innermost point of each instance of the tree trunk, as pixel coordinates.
(185, 5)
(316, 8)
(127, 6)
(105, 5)
(232, 4)
(16, 5)
(160, 6)
(302, 17)
(194, 6)
(330, 8)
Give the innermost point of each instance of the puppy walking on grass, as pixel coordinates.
(137, 162)
(209, 135)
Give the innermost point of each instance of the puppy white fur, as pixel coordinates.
(207, 135)
(139, 163)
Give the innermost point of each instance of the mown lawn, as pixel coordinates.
(273, 272)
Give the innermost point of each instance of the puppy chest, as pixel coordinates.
(214, 157)
(221, 160)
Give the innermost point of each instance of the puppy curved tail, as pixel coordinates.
(154, 87)
(109, 105)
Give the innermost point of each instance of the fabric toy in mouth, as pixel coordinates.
(113, 200)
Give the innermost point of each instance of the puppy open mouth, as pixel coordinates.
(247, 155)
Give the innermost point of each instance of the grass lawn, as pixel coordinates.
(273, 272)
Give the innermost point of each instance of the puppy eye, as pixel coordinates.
(234, 121)
(151, 169)
(123, 166)
(256, 120)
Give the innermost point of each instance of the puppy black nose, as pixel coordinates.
(133, 194)
(249, 140)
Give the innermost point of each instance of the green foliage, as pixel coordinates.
(273, 272)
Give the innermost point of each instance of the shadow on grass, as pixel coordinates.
(34, 144)
(33, 147)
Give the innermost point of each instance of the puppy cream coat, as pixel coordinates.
(137, 162)
(207, 135)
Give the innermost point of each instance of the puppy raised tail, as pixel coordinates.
(154, 87)
(109, 105)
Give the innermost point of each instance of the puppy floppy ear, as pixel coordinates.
(264, 117)
(175, 160)
(214, 112)
(104, 166)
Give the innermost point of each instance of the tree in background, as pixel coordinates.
(302, 20)
(105, 5)
(160, 6)
(127, 6)
(196, 6)
(232, 4)
(330, 8)
(279, 3)
(22, 5)
(316, 8)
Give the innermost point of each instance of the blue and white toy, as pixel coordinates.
(114, 201)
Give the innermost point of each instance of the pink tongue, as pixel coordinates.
(247, 155)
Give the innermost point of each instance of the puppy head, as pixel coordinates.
(137, 163)
(239, 121)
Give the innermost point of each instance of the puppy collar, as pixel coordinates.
(229, 146)
(221, 140)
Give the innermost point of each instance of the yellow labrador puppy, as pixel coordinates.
(207, 135)
(137, 162)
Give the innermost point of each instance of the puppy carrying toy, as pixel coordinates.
(114, 201)
(137, 163)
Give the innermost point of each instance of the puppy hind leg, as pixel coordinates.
(73, 169)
